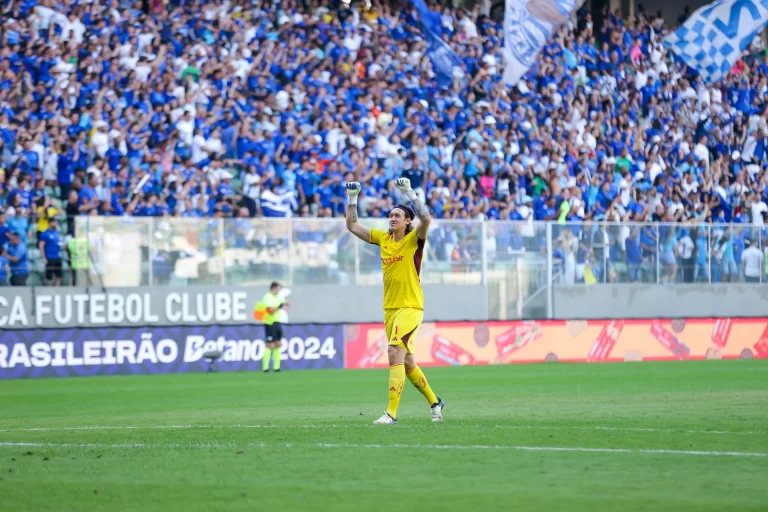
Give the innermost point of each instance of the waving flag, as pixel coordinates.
(445, 62)
(278, 205)
(716, 35)
(528, 25)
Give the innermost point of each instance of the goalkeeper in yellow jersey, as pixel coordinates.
(402, 251)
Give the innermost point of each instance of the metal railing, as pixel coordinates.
(661, 253)
(516, 261)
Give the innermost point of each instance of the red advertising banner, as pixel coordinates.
(471, 343)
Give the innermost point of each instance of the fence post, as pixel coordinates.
(221, 251)
(658, 254)
(550, 293)
(290, 250)
(709, 252)
(606, 252)
(484, 253)
(520, 291)
(150, 249)
(760, 247)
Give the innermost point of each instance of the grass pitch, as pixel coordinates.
(646, 436)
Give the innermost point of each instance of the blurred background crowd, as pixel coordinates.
(250, 108)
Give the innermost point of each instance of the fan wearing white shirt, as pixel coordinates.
(758, 208)
(685, 247)
(143, 69)
(701, 151)
(213, 144)
(752, 263)
(689, 185)
(100, 138)
(251, 190)
(625, 186)
(198, 144)
(186, 126)
(738, 190)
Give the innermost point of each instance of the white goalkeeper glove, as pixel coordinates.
(353, 189)
(404, 186)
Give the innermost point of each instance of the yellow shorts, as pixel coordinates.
(402, 326)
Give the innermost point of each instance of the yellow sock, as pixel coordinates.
(417, 378)
(265, 359)
(396, 382)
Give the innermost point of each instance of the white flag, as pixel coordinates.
(528, 25)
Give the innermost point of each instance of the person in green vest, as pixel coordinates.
(79, 259)
(271, 309)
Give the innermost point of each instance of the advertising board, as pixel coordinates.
(150, 350)
(471, 343)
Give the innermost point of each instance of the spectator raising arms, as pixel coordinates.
(258, 108)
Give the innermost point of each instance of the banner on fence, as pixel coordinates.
(114, 350)
(468, 343)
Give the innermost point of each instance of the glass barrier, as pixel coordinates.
(103, 252)
(658, 253)
(728, 248)
(255, 251)
(516, 256)
(322, 252)
(453, 253)
(601, 252)
(367, 255)
(513, 258)
(186, 251)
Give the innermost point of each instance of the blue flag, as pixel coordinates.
(445, 63)
(716, 35)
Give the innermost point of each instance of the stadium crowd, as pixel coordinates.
(243, 108)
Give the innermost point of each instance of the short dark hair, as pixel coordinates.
(274, 285)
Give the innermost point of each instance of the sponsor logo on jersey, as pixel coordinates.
(393, 259)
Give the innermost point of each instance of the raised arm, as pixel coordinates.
(354, 227)
(404, 184)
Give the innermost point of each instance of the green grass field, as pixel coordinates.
(646, 436)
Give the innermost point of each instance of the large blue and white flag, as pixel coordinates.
(716, 35)
(446, 64)
(528, 25)
(278, 205)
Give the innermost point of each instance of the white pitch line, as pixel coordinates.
(397, 445)
(501, 427)
(117, 427)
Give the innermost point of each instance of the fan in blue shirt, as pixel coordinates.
(4, 267)
(17, 255)
(50, 242)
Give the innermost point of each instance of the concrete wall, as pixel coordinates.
(660, 301)
(22, 308)
(356, 304)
